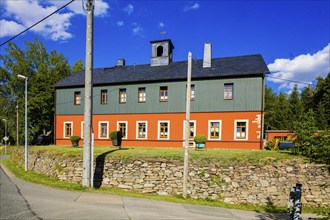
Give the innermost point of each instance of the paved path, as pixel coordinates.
(33, 201)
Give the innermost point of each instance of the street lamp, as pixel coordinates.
(26, 146)
(5, 138)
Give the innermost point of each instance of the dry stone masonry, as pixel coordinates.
(254, 184)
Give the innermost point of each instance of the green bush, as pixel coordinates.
(74, 138)
(200, 138)
(270, 145)
(115, 134)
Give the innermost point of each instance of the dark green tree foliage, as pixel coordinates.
(296, 107)
(43, 71)
(281, 110)
(305, 130)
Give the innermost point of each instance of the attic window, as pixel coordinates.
(160, 51)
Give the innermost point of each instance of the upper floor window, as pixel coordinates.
(67, 129)
(241, 130)
(104, 96)
(163, 94)
(77, 98)
(228, 91)
(122, 95)
(192, 92)
(142, 95)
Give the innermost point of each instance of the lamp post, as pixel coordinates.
(26, 146)
(5, 138)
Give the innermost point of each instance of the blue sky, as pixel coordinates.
(293, 36)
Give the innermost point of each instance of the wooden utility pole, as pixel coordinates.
(187, 128)
(86, 175)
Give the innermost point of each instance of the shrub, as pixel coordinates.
(200, 138)
(115, 134)
(270, 145)
(74, 138)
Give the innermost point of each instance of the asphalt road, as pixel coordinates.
(23, 200)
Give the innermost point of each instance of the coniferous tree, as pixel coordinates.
(296, 107)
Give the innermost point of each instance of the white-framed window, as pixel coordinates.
(241, 130)
(141, 130)
(163, 94)
(122, 96)
(104, 96)
(77, 98)
(214, 129)
(122, 126)
(228, 91)
(103, 129)
(192, 129)
(142, 95)
(67, 129)
(163, 130)
(82, 130)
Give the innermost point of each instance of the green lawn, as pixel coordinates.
(209, 155)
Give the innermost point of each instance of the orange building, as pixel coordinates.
(147, 102)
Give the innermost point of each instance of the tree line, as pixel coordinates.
(43, 69)
(282, 111)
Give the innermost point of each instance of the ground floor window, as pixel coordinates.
(192, 129)
(68, 129)
(122, 126)
(241, 130)
(141, 130)
(163, 129)
(214, 130)
(103, 129)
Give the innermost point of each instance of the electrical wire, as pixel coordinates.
(288, 80)
(36, 23)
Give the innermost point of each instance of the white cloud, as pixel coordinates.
(18, 17)
(129, 9)
(7, 28)
(161, 25)
(137, 30)
(303, 68)
(120, 23)
(191, 6)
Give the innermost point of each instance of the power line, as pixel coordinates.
(36, 23)
(288, 80)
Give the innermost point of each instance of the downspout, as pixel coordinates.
(262, 111)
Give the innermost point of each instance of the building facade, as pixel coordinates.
(147, 102)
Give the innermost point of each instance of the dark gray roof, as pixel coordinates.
(239, 66)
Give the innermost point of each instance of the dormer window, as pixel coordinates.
(160, 51)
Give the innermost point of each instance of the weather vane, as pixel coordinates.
(162, 33)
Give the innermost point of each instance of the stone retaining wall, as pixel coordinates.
(260, 185)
